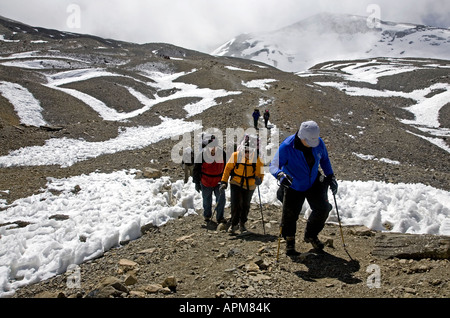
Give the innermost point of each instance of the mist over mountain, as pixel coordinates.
(326, 37)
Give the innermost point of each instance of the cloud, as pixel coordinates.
(205, 24)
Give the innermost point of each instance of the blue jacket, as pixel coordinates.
(292, 162)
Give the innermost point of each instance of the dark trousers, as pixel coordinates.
(293, 201)
(240, 204)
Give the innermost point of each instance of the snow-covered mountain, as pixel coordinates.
(329, 37)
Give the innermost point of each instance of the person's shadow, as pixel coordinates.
(322, 265)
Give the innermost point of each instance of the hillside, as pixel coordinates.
(327, 37)
(102, 106)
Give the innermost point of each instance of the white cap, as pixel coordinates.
(309, 131)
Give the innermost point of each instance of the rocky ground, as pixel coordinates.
(200, 262)
(185, 259)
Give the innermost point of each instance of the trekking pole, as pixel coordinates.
(279, 242)
(215, 208)
(282, 221)
(340, 227)
(262, 214)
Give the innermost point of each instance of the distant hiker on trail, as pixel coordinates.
(296, 166)
(266, 117)
(246, 171)
(256, 114)
(188, 163)
(208, 172)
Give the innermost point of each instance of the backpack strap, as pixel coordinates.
(244, 177)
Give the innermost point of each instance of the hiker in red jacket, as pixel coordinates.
(208, 170)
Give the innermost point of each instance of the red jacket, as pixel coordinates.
(212, 173)
(209, 174)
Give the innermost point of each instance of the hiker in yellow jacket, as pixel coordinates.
(245, 171)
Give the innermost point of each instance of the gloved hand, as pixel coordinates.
(223, 186)
(285, 180)
(333, 184)
(258, 181)
(198, 187)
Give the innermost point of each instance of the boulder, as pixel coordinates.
(130, 279)
(251, 267)
(48, 294)
(114, 282)
(151, 173)
(126, 265)
(361, 230)
(152, 288)
(171, 283)
(413, 246)
(137, 294)
(109, 287)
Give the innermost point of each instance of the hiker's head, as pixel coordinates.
(247, 153)
(209, 144)
(309, 133)
(250, 145)
(209, 141)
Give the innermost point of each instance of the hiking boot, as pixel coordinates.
(224, 225)
(222, 221)
(290, 247)
(242, 228)
(315, 242)
(207, 220)
(234, 229)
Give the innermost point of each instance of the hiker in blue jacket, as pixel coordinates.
(296, 166)
(256, 114)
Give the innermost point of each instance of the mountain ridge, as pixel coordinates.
(337, 37)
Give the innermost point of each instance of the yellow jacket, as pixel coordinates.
(242, 171)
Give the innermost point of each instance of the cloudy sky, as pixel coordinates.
(205, 24)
